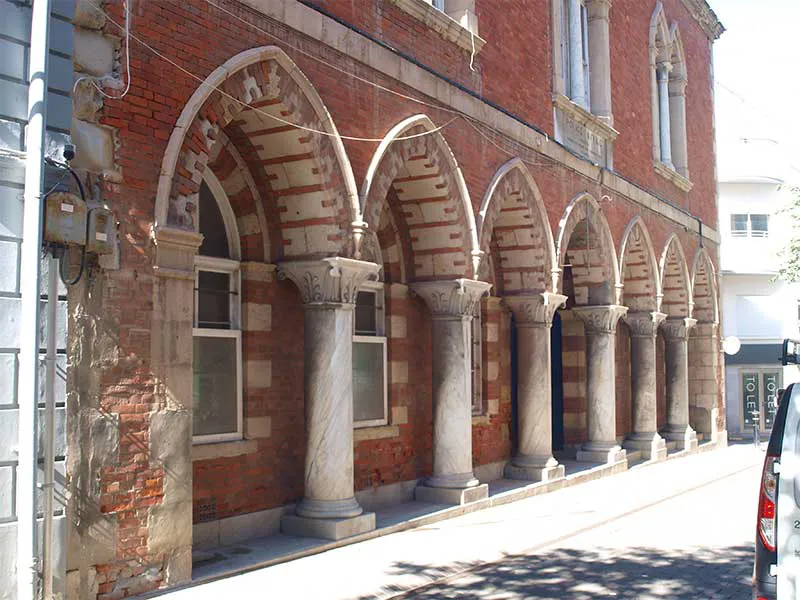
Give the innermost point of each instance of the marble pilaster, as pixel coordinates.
(533, 316)
(644, 437)
(328, 288)
(676, 333)
(600, 323)
(452, 304)
(662, 74)
(600, 59)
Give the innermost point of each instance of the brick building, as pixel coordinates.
(380, 249)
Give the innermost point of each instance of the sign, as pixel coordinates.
(771, 383)
(580, 139)
(750, 398)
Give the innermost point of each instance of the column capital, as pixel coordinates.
(600, 319)
(332, 280)
(677, 328)
(535, 309)
(598, 9)
(175, 252)
(451, 297)
(644, 324)
(664, 68)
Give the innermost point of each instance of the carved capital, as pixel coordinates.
(453, 297)
(677, 329)
(600, 319)
(536, 309)
(644, 324)
(330, 280)
(175, 252)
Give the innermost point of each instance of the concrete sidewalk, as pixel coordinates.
(389, 564)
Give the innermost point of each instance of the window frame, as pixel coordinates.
(231, 267)
(376, 288)
(749, 231)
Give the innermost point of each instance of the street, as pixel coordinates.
(679, 529)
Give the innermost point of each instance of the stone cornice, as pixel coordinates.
(451, 298)
(677, 329)
(535, 309)
(600, 319)
(442, 23)
(582, 116)
(329, 280)
(705, 17)
(644, 324)
(672, 175)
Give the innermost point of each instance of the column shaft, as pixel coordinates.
(677, 380)
(577, 89)
(600, 59)
(663, 114)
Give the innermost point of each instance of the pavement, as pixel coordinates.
(683, 528)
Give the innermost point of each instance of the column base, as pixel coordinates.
(455, 481)
(683, 434)
(438, 495)
(602, 452)
(651, 445)
(329, 509)
(534, 468)
(327, 529)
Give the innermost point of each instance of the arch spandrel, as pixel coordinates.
(639, 271)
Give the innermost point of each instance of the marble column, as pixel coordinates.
(644, 437)
(577, 89)
(329, 288)
(452, 304)
(662, 73)
(533, 317)
(676, 333)
(600, 59)
(677, 125)
(600, 323)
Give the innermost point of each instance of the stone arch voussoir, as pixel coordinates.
(639, 272)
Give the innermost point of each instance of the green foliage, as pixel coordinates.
(789, 271)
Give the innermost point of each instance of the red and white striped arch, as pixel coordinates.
(676, 289)
(422, 183)
(704, 288)
(307, 175)
(584, 241)
(638, 269)
(514, 230)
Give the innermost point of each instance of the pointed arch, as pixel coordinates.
(639, 271)
(513, 217)
(595, 266)
(422, 180)
(677, 54)
(308, 173)
(704, 288)
(676, 289)
(659, 35)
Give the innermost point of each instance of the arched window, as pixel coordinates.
(217, 358)
(668, 82)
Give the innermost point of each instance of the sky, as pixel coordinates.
(757, 73)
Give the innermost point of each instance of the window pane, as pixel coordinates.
(739, 225)
(212, 226)
(214, 300)
(215, 400)
(759, 225)
(368, 401)
(366, 319)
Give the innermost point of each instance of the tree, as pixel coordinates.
(789, 270)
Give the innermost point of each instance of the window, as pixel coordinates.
(370, 404)
(746, 225)
(476, 361)
(668, 83)
(438, 4)
(217, 358)
(573, 46)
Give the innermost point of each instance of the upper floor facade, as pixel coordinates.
(627, 86)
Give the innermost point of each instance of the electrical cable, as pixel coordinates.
(93, 80)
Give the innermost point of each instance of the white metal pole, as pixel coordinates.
(49, 429)
(27, 391)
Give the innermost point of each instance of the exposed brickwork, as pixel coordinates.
(573, 352)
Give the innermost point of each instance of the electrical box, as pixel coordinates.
(64, 219)
(100, 233)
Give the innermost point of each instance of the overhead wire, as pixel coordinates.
(127, 31)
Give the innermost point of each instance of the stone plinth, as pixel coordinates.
(452, 304)
(600, 323)
(533, 316)
(644, 437)
(329, 288)
(677, 382)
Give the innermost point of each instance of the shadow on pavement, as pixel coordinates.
(642, 573)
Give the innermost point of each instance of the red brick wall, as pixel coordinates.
(573, 353)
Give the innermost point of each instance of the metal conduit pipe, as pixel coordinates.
(28, 386)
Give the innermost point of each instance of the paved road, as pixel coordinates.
(693, 545)
(679, 529)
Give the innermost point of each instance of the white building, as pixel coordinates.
(757, 308)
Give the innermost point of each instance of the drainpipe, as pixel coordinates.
(49, 429)
(28, 392)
